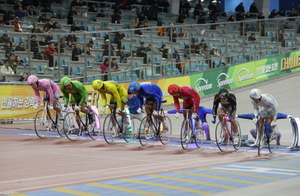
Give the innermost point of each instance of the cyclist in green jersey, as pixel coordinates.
(79, 95)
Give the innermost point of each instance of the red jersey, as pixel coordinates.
(187, 94)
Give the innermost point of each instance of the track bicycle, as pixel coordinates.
(152, 126)
(269, 137)
(224, 134)
(76, 125)
(47, 120)
(114, 127)
(189, 132)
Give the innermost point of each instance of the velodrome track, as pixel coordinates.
(56, 166)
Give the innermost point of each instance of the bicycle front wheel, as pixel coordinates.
(128, 129)
(145, 131)
(185, 136)
(70, 126)
(272, 140)
(198, 136)
(239, 136)
(166, 131)
(260, 143)
(222, 137)
(110, 130)
(41, 124)
(94, 129)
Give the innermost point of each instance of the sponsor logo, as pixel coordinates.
(244, 74)
(224, 82)
(290, 62)
(199, 87)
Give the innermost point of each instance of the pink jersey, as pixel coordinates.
(50, 88)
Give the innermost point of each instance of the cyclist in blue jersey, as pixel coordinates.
(134, 107)
(153, 95)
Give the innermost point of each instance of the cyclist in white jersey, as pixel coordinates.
(266, 105)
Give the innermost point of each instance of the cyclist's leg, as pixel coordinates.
(56, 96)
(221, 110)
(149, 110)
(187, 105)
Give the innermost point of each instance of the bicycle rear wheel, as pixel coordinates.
(145, 131)
(185, 136)
(260, 144)
(272, 140)
(41, 124)
(165, 132)
(128, 129)
(239, 136)
(94, 129)
(70, 126)
(198, 136)
(110, 129)
(222, 137)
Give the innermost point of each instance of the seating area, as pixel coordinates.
(229, 39)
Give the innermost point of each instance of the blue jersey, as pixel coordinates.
(151, 92)
(201, 112)
(133, 104)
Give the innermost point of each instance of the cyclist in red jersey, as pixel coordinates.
(191, 100)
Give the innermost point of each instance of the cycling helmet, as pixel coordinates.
(255, 94)
(134, 87)
(97, 84)
(173, 89)
(65, 81)
(223, 93)
(32, 79)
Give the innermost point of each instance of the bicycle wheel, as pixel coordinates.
(222, 137)
(71, 129)
(185, 136)
(260, 144)
(128, 129)
(165, 132)
(110, 131)
(59, 122)
(145, 131)
(198, 136)
(41, 124)
(239, 136)
(272, 140)
(94, 129)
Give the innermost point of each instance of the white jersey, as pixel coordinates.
(267, 105)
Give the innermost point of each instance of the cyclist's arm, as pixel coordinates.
(215, 105)
(104, 99)
(256, 108)
(49, 91)
(37, 95)
(83, 94)
(233, 103)
(196, 101)
(176, 103)
(66, 95)
(113, 90)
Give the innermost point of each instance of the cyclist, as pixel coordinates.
(201, 112)
(79, 95)
(153, 95)
(50, 88)
(134, 107)
(225, 102)
(266, 105)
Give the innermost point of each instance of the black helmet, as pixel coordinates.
(223, 93)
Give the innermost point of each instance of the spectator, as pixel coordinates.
(8, 48)
(177, 59)
(119, 36)
(45, 29)
(205, 53)
(17, 25)
(76, 52)
(136, 22)
(214, 52)
(252, 38)
(40, 56)
(123, 56)
(46, 9)
(69, 44)
(101, 14)
(108, 48)
(36, 28)
(141, 51)
(253, 9)
(231, 18)
(12, 62)
(75, 26)
(9, 17)
(165, 4)
(286, 26)
(17, 5)
(116, 18)
(21, 47)
(77, 10)
(54, 15)
(162, 31)
(280, 13)
(185, 8)
(55, 25)
(93, 8)
(280, 38)
(49, 52)
(138, 31)
(142, 17)
(240, 8)
(195, 47)
(4, 38)
(43, 18)
(72, 12)
(273, 14)
(202, 45)
(114, 65)
(181, 18)
(71, 37)
(4, 70)
(182, 33)
(260, 16)
(19, 61)
(34, 47)
(186, 52)
(43, 41)
(103, 67)
(2, 10)
(2, 22)
(24, 77)
(164, 51)
(201, 20)
(198, 9)
(20, 13)
(293, 14)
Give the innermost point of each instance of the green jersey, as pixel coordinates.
(78, 92)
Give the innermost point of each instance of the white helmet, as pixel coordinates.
(255, 94)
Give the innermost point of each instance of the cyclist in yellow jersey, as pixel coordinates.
(118, 92)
